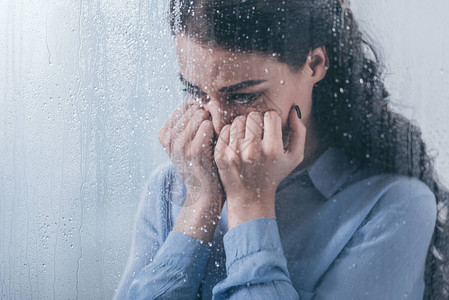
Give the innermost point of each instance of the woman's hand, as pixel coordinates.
(188, 139)
(252, 161)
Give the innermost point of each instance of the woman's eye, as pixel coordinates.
(243, 98)
(198, 95)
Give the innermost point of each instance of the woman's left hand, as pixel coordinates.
(252, 161)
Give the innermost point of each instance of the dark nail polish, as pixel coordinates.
(298, 111)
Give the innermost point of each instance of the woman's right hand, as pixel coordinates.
(188, 139)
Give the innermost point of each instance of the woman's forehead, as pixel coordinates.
(200, 63)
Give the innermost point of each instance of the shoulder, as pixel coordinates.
(403, 200)
(400, 190)
(390, 189)
(393, 203)
(403, 186)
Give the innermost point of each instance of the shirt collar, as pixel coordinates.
(331, 170)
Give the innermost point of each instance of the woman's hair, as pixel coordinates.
(350, 105)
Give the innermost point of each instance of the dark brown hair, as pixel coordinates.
(350, 105)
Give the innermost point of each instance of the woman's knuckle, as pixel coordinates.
(272, 115)
(270, 150)
(239, 120)
(248, 156)
(254, 115)
(231, 156)
(220, 158)
(207, 124)
(206, 127)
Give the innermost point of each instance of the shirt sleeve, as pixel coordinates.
(162, 264)
(385, 258)
(255, 263)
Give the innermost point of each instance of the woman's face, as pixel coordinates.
(229, 84)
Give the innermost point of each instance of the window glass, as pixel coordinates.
(85, 88)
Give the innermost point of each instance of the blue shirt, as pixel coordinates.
(342, 231)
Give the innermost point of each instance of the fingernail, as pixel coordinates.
(298, 111)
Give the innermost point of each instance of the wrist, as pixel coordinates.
(239, 213)
(208, 198)
(199, 218)
(205, 187)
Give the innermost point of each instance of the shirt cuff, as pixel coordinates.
(258, 235)
(185, 253)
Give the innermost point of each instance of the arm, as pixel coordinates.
(255, 263)
(177, 268)
(178, 260)
(252, 161)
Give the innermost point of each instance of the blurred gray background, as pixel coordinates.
(85, 87)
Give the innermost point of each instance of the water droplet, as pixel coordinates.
(217, 264)
(282, 82)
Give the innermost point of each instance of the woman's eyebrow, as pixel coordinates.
(240, 86)
(188, 84)
(226, 89)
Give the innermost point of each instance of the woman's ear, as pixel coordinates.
(317, 64)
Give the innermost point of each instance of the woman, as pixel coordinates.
(290, 176)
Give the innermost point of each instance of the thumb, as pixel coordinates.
(297, 140)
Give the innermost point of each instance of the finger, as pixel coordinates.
(165, 132)
(272, 135)
(177, 140)
(180, 124)
(222, 143)
(194, 124)
(223, 138)
(237, 129)
(297, 137)
(203, 137)
(254, 126)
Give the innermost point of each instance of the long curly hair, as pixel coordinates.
(350, 105)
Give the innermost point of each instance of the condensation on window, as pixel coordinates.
(85, 87)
